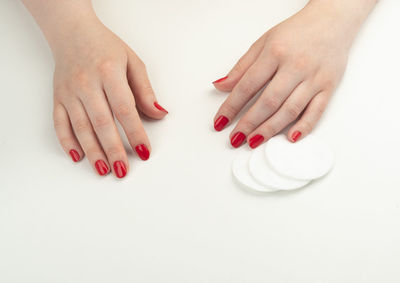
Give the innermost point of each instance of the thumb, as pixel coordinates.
(227, 83)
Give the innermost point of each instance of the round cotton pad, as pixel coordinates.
(241, 172)
(265, 175)
(309, 158)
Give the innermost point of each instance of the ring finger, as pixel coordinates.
(267, 104)
(287, 113)
(87, 137)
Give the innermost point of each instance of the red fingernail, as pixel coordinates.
(220, 80)
(237, 139)
(220, 123)
(142, 151)
(159, 107)
(74, 155)
(256, 141)
(296, 135)
(119, 169)
(101, 167)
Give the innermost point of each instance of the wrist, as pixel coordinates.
(58, 20)
(350, 11)
(343, 16)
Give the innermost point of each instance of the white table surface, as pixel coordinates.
(180, 217)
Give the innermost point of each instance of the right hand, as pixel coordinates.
(98, 75)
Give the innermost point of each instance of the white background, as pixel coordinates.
(180, 217)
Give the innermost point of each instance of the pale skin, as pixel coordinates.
(300, 61)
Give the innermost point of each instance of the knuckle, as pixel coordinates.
(293, 110)
(80, 80)
(278, 49)
(326, 80)
(328, 83)
(114, 150)
(107, 67)
(270, 102)
(122, 110)
(81, 126)
(230, 109)
(101, 120)
(248, 124)
(301, 62)
(246, 86)
(270, 129)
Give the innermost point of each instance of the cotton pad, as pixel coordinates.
(241, 172)
(265, 175)
(309, 158)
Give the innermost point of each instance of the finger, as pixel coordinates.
(251, 82)
(272, 98)
(228, 82)
(122, 104)
(98, 110)
(87, 137)
(65, 134)
(140, 85)
(310, 117)
(289, 111)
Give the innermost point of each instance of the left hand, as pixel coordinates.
(302, 59)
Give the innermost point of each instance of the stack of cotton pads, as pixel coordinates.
(282, 165)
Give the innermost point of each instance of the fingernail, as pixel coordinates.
(220, 80)
(142, 151)
(237, 139)
(74, 155)
(220, 123)
(101, 167)
(159, 107)
(296, 135)
(256, 141)
(119, 169)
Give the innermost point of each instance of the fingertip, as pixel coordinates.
(159, 107)
(75, 156)
(224, 84)
(153, 110)
(143, 152)
(294, 135)
(220, 80)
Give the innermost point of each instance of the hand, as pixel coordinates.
(302, 61)
(98, 75)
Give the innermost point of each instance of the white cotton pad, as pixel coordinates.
(309, 158)
(241, 172)
(265, 175)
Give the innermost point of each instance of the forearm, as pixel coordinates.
(354, 11)
(343, 16)
(57, 18)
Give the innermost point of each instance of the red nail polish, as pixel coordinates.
(159, 107)
(220, 123)
(256, 141)
(74, 155)
(119, 169)
(142, 151)
(237, 139)
(296, 135)
(101, 167)
(220, 80)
